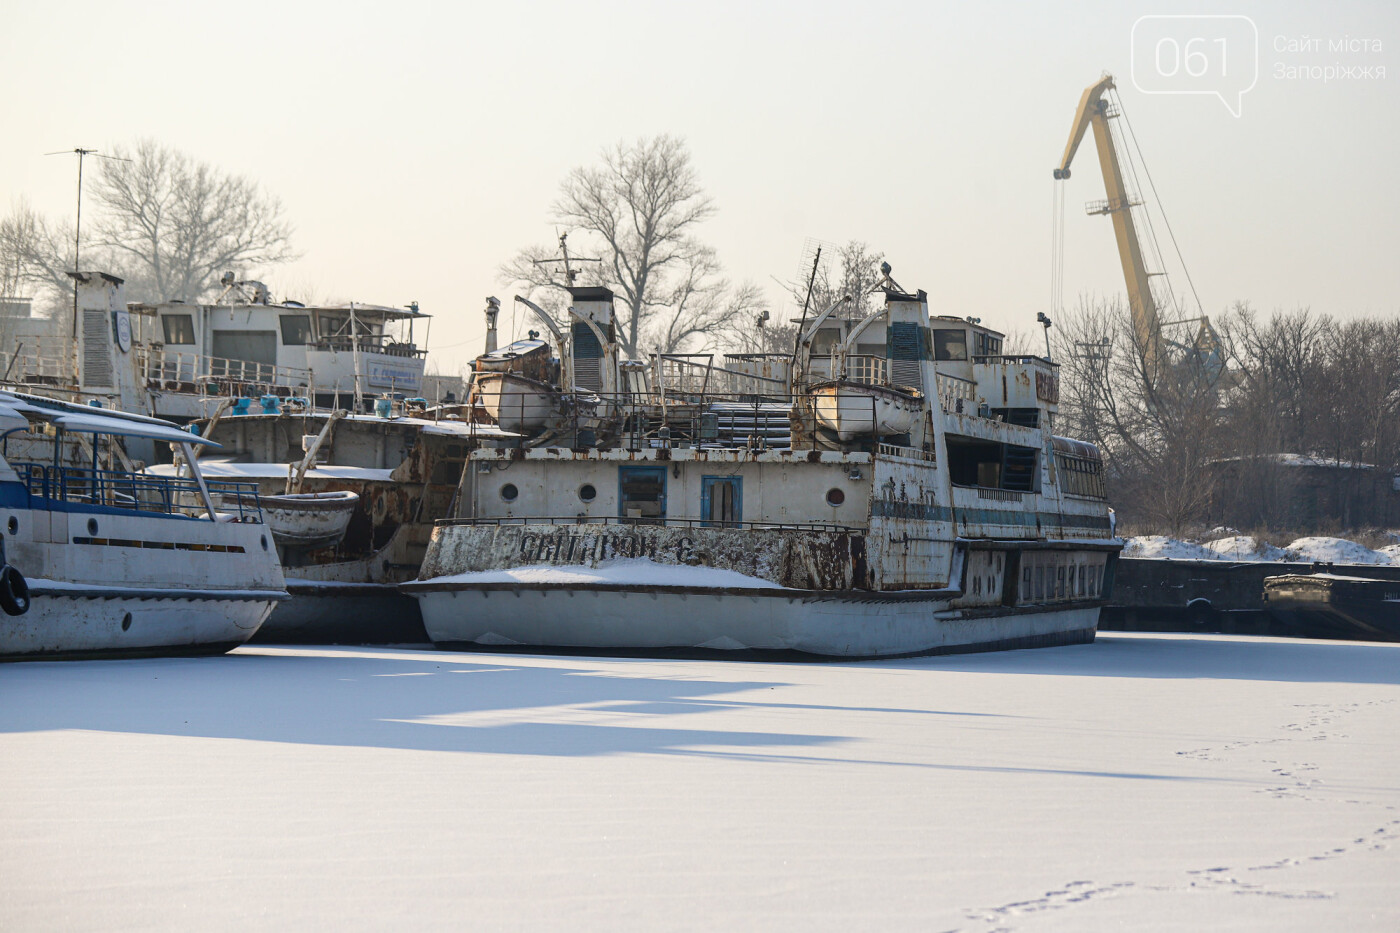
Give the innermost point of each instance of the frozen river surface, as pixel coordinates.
(1142, 782)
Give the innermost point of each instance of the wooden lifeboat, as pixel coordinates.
(855, 409)
(513, 386)
(308, 519)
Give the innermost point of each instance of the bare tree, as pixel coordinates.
(35, 254)
(639, 209)
(852, 269)
(1157, 435)
(174, 224)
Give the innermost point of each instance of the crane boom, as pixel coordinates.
(1094, 110)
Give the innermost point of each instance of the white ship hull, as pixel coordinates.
(850, 625)
(108, 562)
(70, 620)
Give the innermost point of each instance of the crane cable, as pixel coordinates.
(1057, 246)
(1200, 309)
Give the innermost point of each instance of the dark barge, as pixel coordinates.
(1154, 595)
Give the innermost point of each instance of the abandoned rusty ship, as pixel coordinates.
(894, 487)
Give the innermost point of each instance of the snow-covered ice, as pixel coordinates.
(1141, 782)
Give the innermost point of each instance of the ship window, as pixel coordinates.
(986, 345)
(1081, 476)
(642, 492)
(975, 462)
(509, 492)
(587, 493)
(835, 497)
(825, 341)
(179, 328)
(950, 344)
(296, 330)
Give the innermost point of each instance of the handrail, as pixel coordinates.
(1013, 358)
(139, 492)
(653, 522)
(191, 366)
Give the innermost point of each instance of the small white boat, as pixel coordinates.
(516, 402)
(102, 561)
(855, 409)
(308, 519)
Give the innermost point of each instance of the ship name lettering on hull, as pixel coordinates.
(565, 548)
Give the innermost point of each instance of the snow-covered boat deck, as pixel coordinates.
(1141, 782)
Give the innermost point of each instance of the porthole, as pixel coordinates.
(835, 497)
(126, 622)
(92, 526)
(509, 492)
(587, 493)
(13, 525)
(263, 539)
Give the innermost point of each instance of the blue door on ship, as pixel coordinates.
(641, 493)
(721, 501)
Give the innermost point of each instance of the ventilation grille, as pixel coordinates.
(906, 373)
(97, 349)
(588, 353)
(906, 349)
(905, 343)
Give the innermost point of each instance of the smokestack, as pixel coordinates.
(493, 308)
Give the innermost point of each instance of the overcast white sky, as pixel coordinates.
(416, 145)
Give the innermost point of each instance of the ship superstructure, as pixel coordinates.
(920, 502)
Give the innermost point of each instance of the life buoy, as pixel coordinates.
(14, 592)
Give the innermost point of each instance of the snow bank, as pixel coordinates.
(1161, 547)
(1337, 550)
(1246, 547)
(635, 571)
(1249, 548)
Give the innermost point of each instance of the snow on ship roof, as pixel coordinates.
(214, 468)
(634, 571)
(84, 419)
(444, 426)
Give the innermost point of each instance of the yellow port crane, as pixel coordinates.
(1096, 109)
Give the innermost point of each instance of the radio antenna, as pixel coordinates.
(570, 273)
(81, 153)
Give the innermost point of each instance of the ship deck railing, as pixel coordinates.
(198, 373)
(368, 343)
(1027, 359)
(628, 521)
(137, 492)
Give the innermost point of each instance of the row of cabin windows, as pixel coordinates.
(948, 345)
(1057, 576)
(1080, 476)
(296, 328)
